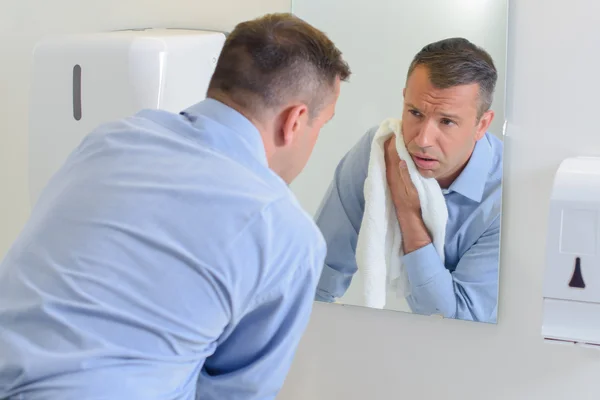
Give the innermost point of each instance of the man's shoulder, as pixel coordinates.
(495, 142)
(155, 128)
(147, 119)
(366, 139)
(492, 199)
(497, 146)
(357, 157)
(497, 162)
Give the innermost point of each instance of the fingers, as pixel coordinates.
(391, 153)
(403, 172)
(396, 167)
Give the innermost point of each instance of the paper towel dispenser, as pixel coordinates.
(81, 81)
(572, 275)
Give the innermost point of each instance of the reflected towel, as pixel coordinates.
(379, 248)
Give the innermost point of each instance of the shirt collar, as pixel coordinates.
(472, 180)
(230, 119)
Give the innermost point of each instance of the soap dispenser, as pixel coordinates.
(571, 304)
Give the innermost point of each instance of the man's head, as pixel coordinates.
(447, 99)
(284, 75)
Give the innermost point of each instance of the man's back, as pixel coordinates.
(164, 250)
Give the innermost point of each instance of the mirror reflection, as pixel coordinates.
(405, 183)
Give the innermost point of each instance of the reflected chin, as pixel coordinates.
(426, 173)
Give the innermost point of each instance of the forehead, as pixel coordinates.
(421, 93)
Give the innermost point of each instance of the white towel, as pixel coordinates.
(379, 249)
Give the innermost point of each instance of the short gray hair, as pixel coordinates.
(457, 61)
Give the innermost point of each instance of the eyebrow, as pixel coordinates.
(445, 115)
(450, 116)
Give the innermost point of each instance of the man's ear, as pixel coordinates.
(295, 119)
(484, 124)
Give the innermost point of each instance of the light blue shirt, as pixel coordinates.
(466, 285)
(165, 260)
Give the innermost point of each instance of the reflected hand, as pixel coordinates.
(404, 193)
(406, 200)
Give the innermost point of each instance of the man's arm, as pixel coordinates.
(339, 218)
(471, 291)
(468, 293)
(253, 356)
(252, 363)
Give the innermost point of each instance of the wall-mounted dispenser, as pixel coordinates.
(572, 275)
(81, 81)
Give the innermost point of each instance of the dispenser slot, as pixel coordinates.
(77, 92)
(577, 277)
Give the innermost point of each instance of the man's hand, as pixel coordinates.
(406, 200)
(403, 191)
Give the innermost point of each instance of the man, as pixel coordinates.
(447, 99)
(168, 259)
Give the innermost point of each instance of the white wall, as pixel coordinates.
(23, 22)
(350, 353)
(379, 43)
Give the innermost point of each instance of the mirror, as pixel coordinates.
(440, 254)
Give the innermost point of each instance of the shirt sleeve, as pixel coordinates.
(251, 363)
(339, 218)
(468, 293)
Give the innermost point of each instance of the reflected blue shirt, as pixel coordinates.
(164, 260)
(465, 286)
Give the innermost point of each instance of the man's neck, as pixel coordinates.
(446, 181)
(223, 98)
